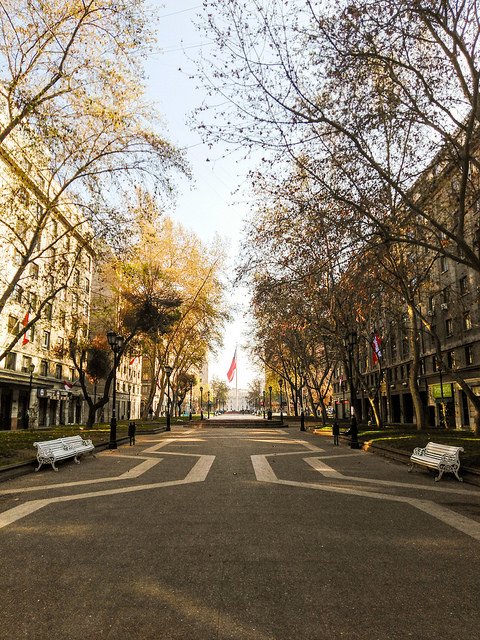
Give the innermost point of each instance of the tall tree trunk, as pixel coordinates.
(375, 406)
(415, 367)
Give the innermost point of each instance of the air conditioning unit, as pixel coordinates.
(444, 306)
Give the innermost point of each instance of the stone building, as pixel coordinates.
(46, 263)
(448, 300)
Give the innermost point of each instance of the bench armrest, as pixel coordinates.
(448, 458)
(419, 451)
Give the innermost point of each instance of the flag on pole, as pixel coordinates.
(26, 335)
(132, 360)
(67, 385)
(233, 367)
(376, 344)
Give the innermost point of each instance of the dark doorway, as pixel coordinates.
(408, 407)
(396, 411)
(6, 409)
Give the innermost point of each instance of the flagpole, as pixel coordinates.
(236, 380)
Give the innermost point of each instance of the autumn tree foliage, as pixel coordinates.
(374, 108)
(220, 390)
(139, 304)
(193, 270)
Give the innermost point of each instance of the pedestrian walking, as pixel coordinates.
(132, 427)
(335, 432)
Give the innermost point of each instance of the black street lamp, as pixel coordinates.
(442, 401)
(31, 369)
(168, 373)
(116, 343)
(201, 403)
(208, 405)
(264, 404)
(191, 392)
(350, 342)
(280, 384)
(270, 407)
(302, 413)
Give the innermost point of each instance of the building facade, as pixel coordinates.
(46, 265)
(446, 334)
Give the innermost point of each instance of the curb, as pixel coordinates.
(10, 471)
(471, 476)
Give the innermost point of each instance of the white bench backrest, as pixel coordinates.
(53, 445)
(68, 443)
(434, 449)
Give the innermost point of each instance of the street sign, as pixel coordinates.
(52, 394)
(441, 390)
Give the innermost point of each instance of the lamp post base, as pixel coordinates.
(113, 434)
(302, 421)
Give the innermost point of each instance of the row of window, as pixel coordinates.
(453, 359)
(29, 300)
(58, 371)
(446, 294)
(449, 328)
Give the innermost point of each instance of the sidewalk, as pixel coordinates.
(470, 476)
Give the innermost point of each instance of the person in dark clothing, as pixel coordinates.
(132, 427)
(353, 433)
(335, 432)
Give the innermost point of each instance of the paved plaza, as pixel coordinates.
(238, 534)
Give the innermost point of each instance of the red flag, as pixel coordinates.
(68, 385)
(233, 367)
(376, 344)
(133, 360)
(26, 335)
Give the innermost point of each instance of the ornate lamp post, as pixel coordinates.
(302, 413)
(280, 384)
(208, 405)
(264, 404)
(168, 373)
(191, 392)
(442, 402)
(270, 404)
(201, 403)
(116, 343)
(31, 369)
(350, 342)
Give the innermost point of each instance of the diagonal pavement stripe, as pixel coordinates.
(265, 473)
(137, 471)
(197, 474)
(329, 472)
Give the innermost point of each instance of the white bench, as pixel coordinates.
(442, 457)
(50, 451)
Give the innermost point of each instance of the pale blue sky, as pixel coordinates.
(207, 205)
